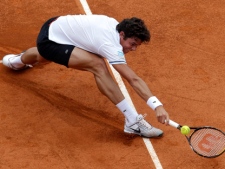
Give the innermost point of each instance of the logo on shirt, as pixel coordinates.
(121, 54)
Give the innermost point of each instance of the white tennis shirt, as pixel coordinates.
(94, 33)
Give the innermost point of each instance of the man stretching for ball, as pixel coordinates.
(83, 42)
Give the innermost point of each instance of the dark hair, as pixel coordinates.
(134, 27)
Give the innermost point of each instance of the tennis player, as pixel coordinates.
(83, 42)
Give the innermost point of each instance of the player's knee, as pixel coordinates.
(32, 50)
(100, 66)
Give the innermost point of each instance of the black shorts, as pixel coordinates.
(50, 50)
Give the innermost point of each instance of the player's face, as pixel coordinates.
(129, 44)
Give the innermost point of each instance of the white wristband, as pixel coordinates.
(153, 102)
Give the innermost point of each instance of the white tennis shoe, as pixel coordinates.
(142, 128)
(8, 59)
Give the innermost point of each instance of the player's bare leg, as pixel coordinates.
(31, 56)
(135, 123)
(23, 60)
(87, 61)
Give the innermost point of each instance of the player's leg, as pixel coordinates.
(83, 60)
(23, 60)
(31, 56)
(135, 124)
(86, 61)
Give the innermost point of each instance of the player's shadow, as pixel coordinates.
(71, 110)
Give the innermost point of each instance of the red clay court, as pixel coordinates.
(54, 117)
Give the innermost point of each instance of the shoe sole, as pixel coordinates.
(137, 133)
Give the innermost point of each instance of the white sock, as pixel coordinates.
(128, 111)
(17, 62)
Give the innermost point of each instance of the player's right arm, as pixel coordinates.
(134, 80)
(140, 88)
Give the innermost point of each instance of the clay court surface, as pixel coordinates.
(54, 117)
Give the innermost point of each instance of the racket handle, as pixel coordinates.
(174, 124)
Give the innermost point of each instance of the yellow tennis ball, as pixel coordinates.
(185, 130)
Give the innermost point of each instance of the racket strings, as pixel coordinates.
(208, 142)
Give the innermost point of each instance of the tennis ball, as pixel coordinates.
(185, 130)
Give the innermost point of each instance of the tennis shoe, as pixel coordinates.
(143, 128)
(8, 59)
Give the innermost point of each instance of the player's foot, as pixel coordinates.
(8, 59)
(142, 128)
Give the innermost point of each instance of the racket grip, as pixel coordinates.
(174, 124)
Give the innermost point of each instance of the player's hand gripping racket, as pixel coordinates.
(206, 141)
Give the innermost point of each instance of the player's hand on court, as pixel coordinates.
(162, 115)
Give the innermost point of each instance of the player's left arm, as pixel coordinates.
(140, 88)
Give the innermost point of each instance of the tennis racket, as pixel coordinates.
(205, 141)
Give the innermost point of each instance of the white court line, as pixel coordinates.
(147, 142)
